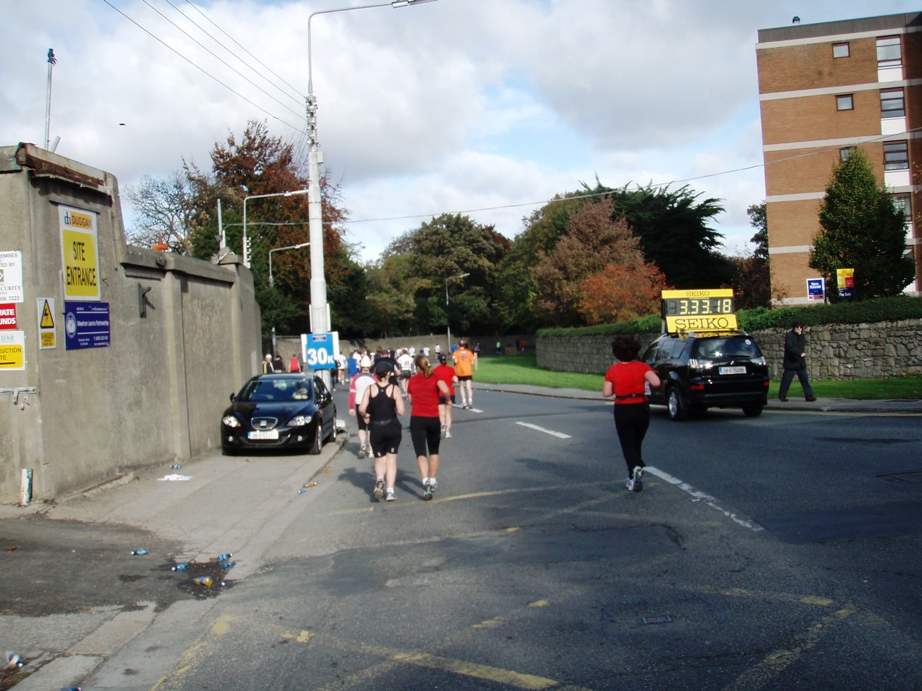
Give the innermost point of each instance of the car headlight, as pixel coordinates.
(299, 421)
(230, 421)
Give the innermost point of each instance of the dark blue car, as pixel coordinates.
(279, 411)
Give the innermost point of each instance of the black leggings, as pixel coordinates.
(632, 421)
(426, 433)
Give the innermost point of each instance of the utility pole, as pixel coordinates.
(51, 63)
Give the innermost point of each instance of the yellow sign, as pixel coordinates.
(47, 319)
(79, 250)
(47, 337)
(12, 350)
(699, 310)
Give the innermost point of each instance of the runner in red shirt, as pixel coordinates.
(447, 374)
(423, 392)
(627, 380)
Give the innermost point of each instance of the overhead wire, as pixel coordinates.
(221, 60)
(241, 46)
(297, 128)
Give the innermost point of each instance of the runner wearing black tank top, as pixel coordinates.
(381, 406)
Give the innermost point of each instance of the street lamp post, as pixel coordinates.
(280, 249)
(272, 283)
(246, 249)
(447, 321)
(320, 312)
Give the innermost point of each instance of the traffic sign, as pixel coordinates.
(319, 352)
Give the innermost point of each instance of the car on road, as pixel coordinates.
(714, 370)
(279, 411)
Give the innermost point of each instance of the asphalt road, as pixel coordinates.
(781, 552)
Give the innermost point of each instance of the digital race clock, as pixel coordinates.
(699, 310)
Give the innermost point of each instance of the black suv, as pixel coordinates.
(701, 372)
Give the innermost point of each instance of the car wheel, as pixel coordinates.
(676, 405)
(317, 445)
(752, 410)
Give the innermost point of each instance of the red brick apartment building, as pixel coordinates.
(825, 89)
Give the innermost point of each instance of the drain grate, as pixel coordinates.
(661, 619)
(912, 476)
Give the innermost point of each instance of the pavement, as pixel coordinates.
(826, 405)
(80, 608)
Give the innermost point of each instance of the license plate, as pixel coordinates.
(264, 434)
(732, 370)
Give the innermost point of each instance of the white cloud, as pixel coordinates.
(449, 106)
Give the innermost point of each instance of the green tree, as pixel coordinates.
(515, 291)
(439, 251)
(752, 276)
(861, 229)
(673, 227)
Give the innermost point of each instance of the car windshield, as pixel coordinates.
(265, 390)
(723, 348)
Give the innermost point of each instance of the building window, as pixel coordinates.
(903, 203)
(845, 152)
(840, 50)
(892, 104)
(888, 52)
(845, 102)
(896, 155)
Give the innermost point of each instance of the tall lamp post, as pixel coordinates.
(246, 248)
(320, 312)
(272, 283)
(447, 321)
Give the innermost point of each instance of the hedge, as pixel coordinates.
(866, 311)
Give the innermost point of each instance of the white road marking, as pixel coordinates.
(706, 498)
(559, 435)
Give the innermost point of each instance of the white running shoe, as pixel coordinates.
(638, 479)
(379, 488)
(389, 496)
(447, 434)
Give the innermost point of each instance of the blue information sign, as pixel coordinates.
(318, 351)
(816, 288)
(86, 325)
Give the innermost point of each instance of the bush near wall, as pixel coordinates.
(872, 339)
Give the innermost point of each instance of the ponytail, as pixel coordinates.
(422, 365)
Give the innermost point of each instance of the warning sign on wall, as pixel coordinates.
(46, 331)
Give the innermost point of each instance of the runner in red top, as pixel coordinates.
(627, 380)
(447, 374)
(423, 393)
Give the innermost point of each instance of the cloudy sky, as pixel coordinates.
(483, 107)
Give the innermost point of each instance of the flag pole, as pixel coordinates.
(51, 62)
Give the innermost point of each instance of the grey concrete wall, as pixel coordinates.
(155, 395)
(834, 351)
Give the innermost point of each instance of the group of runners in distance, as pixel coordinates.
(380, 386)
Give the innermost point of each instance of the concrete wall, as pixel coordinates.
(834, 351)
(155, 394)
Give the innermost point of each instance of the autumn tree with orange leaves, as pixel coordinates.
(621, 293)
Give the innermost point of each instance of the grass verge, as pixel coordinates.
(522, 369)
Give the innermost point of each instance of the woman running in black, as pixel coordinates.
(381, 405)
